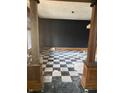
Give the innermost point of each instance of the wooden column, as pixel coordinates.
(34, 31)
(89, 77)
(92, 37)
(34, 73)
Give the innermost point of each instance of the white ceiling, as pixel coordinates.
(63, 10)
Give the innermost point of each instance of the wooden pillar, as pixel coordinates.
(34, 73)
(34, 31)
(92, 37)
(89, 77)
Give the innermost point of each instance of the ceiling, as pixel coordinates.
(64, 10)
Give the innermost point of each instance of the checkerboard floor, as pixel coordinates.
(65, 66)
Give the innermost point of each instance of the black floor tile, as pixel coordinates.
(69, 62)
(61, 65)
(47, 73)
(56, 62)
(56, 69)
(71, 69)
(56, 79)
(62, 60)
(49, 65)
(65, 73)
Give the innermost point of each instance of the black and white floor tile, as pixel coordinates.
(62, 71)
(63, 65)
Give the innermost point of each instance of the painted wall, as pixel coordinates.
(63, 10)
(63, 33)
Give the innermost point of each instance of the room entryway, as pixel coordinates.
(57, 69)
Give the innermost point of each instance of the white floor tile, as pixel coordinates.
(64, 69)
(56, 73)
(56, 60)
(72, 58)
(79, 67)
(61, 58)
(50, 63)
(56, 65)
(73, 73)
(63, 63)
(66, 79)
(51, 58)
(70, 65)
(67, 60)
(47, 79)
(48, 69)
(45, 60)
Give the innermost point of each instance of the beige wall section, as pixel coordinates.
(63, 10)
(34, 31)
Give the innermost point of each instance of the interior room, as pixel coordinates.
(61, 46)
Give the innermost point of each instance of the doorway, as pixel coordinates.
(62, 66)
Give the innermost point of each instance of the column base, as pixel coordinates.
(34, 79)
(89, 77)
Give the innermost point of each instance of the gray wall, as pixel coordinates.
(63, 33)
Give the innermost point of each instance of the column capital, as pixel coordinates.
(37, 1)
(93, 3)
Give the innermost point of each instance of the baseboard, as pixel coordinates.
(70, 49)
